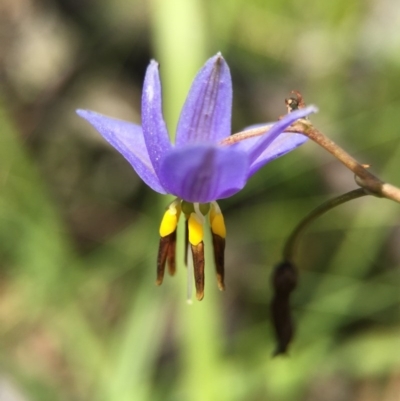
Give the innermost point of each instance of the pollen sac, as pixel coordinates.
(166, 250)
(196, 229)
(284, 281)
(219, 259)
(218, 233)
(167, 246)
(170, 219)
(217, 222)
(195, 225)
(198, 265)
(171, 254)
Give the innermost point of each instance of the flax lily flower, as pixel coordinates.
(197, 169)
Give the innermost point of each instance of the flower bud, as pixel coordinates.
(284, 281)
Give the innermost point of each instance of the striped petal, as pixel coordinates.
(206, 114)
(154, 128)
(204, 173)
(255, 147)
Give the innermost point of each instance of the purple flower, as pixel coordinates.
(198, 170)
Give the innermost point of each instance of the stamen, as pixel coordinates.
(186, 240)
(198, 212)
(167, 247)
(196, 232)
(161, 258)
(218, 232)
(170, 218)
(219, 259)
(171, 254)
(217, 222)
(198, 265)
(190, 278)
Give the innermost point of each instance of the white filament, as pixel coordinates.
(216, 207)
(196, 207)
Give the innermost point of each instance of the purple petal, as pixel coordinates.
(206, 114)
(204, 173)
(257, 147)
(154, 129)
(128, 139)
(285, 143)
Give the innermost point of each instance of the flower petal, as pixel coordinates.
(206, 114)
(256, 147)
(128, 139)
(285, 143)
(204, 173)
(154, 128)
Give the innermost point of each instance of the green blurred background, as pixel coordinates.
(80, 316)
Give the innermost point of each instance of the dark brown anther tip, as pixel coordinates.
(171, 254)
(219, 259)
(166, 251)
(220, 283)
(161, 259)
(198, 266)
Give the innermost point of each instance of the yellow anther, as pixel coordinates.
(218, 225)
(170, 219)
(217, 221)
(168, 223)
(196, 231)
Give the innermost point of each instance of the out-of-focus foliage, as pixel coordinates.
(80, 317)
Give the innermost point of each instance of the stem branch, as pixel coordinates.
(365, 179)
(291, 243)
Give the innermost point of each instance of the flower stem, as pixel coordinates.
(249, 133)
(365, 179)
(292, 242)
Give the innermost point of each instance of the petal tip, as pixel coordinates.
(84, 113)
(312, 108)
(154, 63)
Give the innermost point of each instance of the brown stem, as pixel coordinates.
(241, 136)
(372, 184)
(365, 179)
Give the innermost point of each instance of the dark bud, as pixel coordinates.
(284, 281)
(284, 278)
